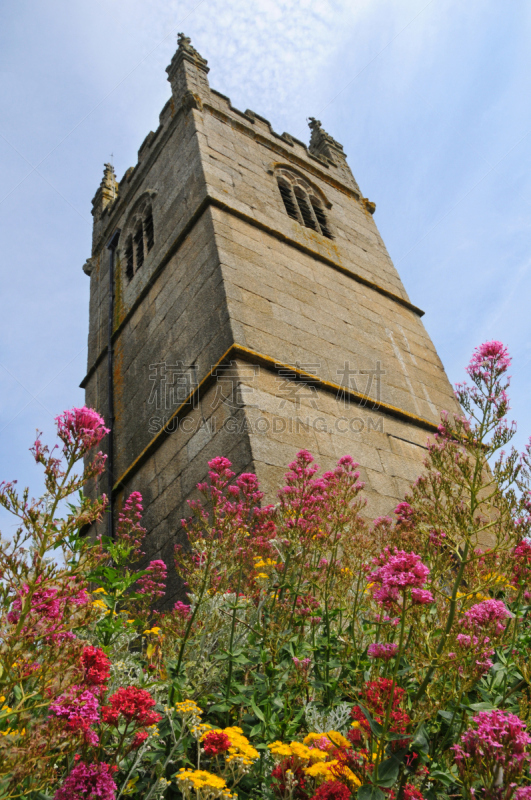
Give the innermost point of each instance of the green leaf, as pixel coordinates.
(220, 708)
(369, 792)
(447, 715)
(442, 777)
(257, 711)
(388, 772)
(420, 740)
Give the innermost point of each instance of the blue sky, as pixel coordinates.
(429, 99)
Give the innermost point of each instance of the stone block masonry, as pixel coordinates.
(254, 311)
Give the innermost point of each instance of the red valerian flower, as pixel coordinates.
(375, 697)
(139, 739)
(216, 742)
(332, 790)
(96, 665)
(279, 787)
(411, 793)
(133, 704)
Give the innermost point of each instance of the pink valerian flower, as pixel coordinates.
(88, 782)
(382, 650)
(522, 793)
(182, 610)
(522, 562)
(405, 514)
(79, 708)
(476, 647)
(488, 358)
(154, 583)
(421, 597)
(247, 483)
(129, 530)
(80, 429)
(397, 571)
(302, 498)
(49, 609)
(498, 741)
(303, 665)
(436, 537)
(489, 614)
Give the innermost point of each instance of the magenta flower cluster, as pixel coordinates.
(489, 614)
(382, 650)
(47, 611)
(488, 358)
(129, 530)
(88, 782)
(498, 740)
(396, 572)
(79, 708)
(81, 428)
(154, 582)
(181, 609)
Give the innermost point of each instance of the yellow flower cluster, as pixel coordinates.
(299, 751)
(188, 707)
(205, 785)
(318, 762)
(334, 738)
(4, 711)
(198, 731)
(155, 631)
(240, 747)
(264, 563)
(497, 577)
(190, 711)
(332, 771)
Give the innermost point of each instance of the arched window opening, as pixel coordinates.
(305, 209)
(303, 202)
(149, 230)
(287, 197)
(321, 219)
(139, 246)
(129, 258)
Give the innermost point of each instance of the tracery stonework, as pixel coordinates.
(245, 326)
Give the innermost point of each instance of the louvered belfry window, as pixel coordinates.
(140, 240)
(302, 203)
(149, 230)
(129, 258)
(288, 198)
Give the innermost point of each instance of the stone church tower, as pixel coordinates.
(242, 303)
